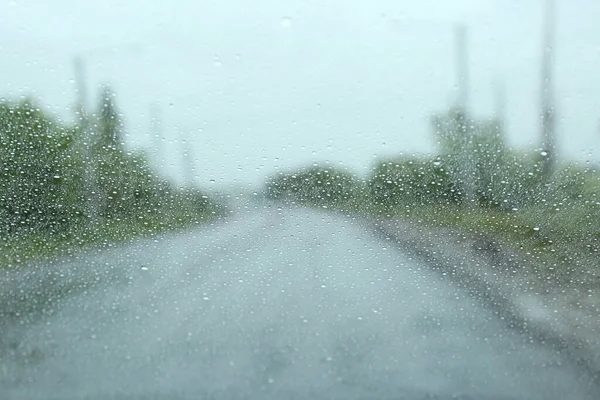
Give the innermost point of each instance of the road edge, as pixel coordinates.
(490, 272)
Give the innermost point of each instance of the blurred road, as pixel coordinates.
(275, 304)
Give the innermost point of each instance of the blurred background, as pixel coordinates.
(231, 91)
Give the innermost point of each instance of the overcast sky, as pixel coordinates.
(252, 86)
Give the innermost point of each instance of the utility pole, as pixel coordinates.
(157, 134)
(548, 118)
(500, 105)
(500, 111)
(466, 162)
(90, 193)
(185, 151)
(462, 67)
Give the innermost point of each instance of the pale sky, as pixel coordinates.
(252, 86)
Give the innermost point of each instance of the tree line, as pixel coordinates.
(474, 183)
(78, 180)
(473, 168)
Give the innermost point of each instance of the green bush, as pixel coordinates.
(412, 182)
(51, 172)
(317, 185)
(39, 171)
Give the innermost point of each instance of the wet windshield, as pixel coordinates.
(294, 200)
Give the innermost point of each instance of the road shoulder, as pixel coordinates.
(563, 318)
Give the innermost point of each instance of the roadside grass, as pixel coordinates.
(561, 242)
(20, 249)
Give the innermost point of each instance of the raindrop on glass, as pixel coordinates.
(286, 22)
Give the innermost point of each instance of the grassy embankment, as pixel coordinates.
(21, 249)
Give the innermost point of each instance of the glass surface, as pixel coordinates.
(299, 199)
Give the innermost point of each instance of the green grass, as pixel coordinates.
(562, 242)
(23, 248)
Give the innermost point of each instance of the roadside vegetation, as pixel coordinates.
(479, 186)
(323, 186)
(64, 187)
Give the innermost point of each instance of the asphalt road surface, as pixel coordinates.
(273, 304)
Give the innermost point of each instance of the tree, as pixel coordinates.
(319, 185)
(109, 121)
(114, 170)
(474, 152)
(412, 182)
(40, 171)
(489, 155)
(454, 133)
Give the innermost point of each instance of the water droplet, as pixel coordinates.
(212, 181)
(537, 228)
(144, 268)
(217, 62)
(286, 22)
(544, 153)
